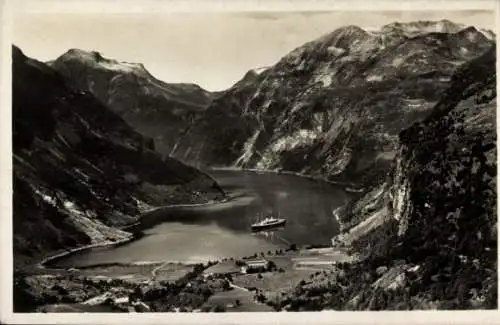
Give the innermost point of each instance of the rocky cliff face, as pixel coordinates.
(163, 111)
(80, 171)
(428, 235)
(334, 106)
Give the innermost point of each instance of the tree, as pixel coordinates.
(271, 266)
(218, 309)
(260, 298)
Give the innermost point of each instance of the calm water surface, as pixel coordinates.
(199, 234)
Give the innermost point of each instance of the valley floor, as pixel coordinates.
(164, 286)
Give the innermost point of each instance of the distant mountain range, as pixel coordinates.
(331, 107)
(334, 106)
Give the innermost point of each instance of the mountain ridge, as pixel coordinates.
(313, 103)
(155, 108)
(427, 237)
(80, 171)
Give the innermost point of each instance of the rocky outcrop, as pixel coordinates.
(428, 237)
(79, 170)
(335, 106)
(162, 111)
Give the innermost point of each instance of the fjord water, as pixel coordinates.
(202, 233)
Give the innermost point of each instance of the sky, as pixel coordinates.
(212, 49)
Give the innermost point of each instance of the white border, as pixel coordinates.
(137, 6)
(134, 6)
(6, 243)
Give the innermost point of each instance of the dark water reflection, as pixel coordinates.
(223, 230)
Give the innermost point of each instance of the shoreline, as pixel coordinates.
(348, 187)
(43, 263)
(190, 205)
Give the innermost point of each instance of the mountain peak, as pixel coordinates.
(97, 60)
(259, 70)
(344, 37)
(75, 52)
(348, 31)
(17, 52)
(472, 34)
(469, 29)
(351, 29)
(424, 26)
(489, 34)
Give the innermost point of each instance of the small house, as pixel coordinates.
(255, 266)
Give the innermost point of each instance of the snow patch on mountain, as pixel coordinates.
(372, 78)
(410, 29)
(397, 62)
(325, 79)
(97, 60)
(488, 34)
(301, 65)
(260, 70)
(336, 51)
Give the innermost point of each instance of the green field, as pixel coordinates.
(246, 301)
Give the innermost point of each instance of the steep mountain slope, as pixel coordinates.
(157, 109)
(428, 237)
(334, 106)
(79, 170)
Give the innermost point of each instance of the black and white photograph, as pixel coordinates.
(250, 161)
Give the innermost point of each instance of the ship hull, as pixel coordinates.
(257, 228)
